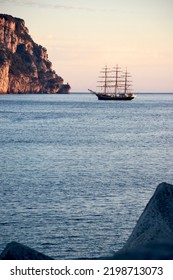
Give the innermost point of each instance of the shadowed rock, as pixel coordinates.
(152, 237)
(151, 251)
(17, 251)
(156, 222)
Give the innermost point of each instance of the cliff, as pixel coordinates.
(24, 65)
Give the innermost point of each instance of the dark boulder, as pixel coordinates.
(152, 237)
(17, 251)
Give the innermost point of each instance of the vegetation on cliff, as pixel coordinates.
(24, 65)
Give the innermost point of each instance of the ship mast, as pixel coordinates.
(117, 81)
(126, 82)
(105, 79)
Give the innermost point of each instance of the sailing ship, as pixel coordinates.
(114, 87)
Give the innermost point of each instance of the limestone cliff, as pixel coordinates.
(24, 65)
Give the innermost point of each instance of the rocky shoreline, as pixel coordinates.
(151, 239)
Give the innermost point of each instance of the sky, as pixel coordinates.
(81, 37)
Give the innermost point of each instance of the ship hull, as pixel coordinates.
(114, 98)
(121, 97)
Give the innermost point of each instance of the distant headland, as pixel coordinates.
(24, 65)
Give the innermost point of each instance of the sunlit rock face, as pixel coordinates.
(24, 65)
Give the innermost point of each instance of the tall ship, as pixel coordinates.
(114, 85)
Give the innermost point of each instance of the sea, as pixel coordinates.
(76, 173)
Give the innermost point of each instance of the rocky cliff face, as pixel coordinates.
(24, 65)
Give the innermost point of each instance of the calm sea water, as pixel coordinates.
(76, 173)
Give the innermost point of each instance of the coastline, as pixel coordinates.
(70, 93)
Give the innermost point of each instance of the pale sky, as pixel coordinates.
(83, 36)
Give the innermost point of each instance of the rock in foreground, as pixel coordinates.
(152, 237)
(17, 251)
